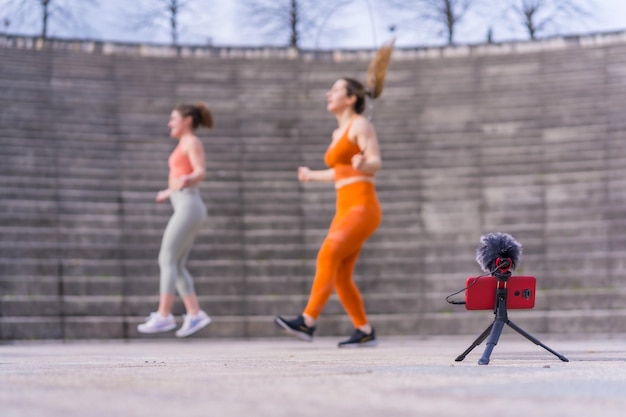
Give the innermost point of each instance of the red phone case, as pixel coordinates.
(482, 294)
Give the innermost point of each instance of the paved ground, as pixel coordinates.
(285, 377)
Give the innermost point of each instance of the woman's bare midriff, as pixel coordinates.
(351, 180)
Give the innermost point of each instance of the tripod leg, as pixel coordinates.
(477, 342)
(494, 336)
(535, 340)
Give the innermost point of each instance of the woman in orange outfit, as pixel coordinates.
(353, 158)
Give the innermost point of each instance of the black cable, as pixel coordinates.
(459, 302)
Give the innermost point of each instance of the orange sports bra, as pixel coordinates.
(179, 163)
(339, 156)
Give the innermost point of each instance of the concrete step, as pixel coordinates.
(469, 323)
(100, 305)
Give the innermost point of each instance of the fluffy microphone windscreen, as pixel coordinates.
(497, 245)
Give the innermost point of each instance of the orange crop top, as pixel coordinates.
(179, 163)
(339, 156)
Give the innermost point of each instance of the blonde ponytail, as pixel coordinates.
(378, 69)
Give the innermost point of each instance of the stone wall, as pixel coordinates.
(523, 138)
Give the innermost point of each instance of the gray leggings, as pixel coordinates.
(182, 228)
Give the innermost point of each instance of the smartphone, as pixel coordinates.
(480, 293)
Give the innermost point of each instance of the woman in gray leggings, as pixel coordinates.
(187, 168)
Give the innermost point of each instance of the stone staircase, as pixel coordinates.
(518, 138)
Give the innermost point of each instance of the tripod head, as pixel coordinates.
(502, 271)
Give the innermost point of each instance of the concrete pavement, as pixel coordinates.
(285, 377)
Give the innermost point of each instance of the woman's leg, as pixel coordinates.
(185, 285)
(349, 294)
(328, 259)
(166, 301)
(345, 238)
(168, 255)
(177, 241)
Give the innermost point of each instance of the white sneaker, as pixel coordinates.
(155, 323)
(192, 324)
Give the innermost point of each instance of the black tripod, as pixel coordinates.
(495, 329)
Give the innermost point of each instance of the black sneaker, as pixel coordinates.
(360, 339)
(296, 327)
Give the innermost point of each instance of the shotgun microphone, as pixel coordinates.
(498, 252)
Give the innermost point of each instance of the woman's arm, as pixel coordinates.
(163, 195)
(324, 175)
(368, 160)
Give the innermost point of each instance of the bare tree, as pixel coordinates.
(291, 20)
(537, 16)
(163, 14)
(62, 11)
(445, 14)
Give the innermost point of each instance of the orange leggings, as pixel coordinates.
(357, 217)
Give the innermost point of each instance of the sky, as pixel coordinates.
(363, 25)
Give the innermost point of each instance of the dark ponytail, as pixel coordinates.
(199, 113)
